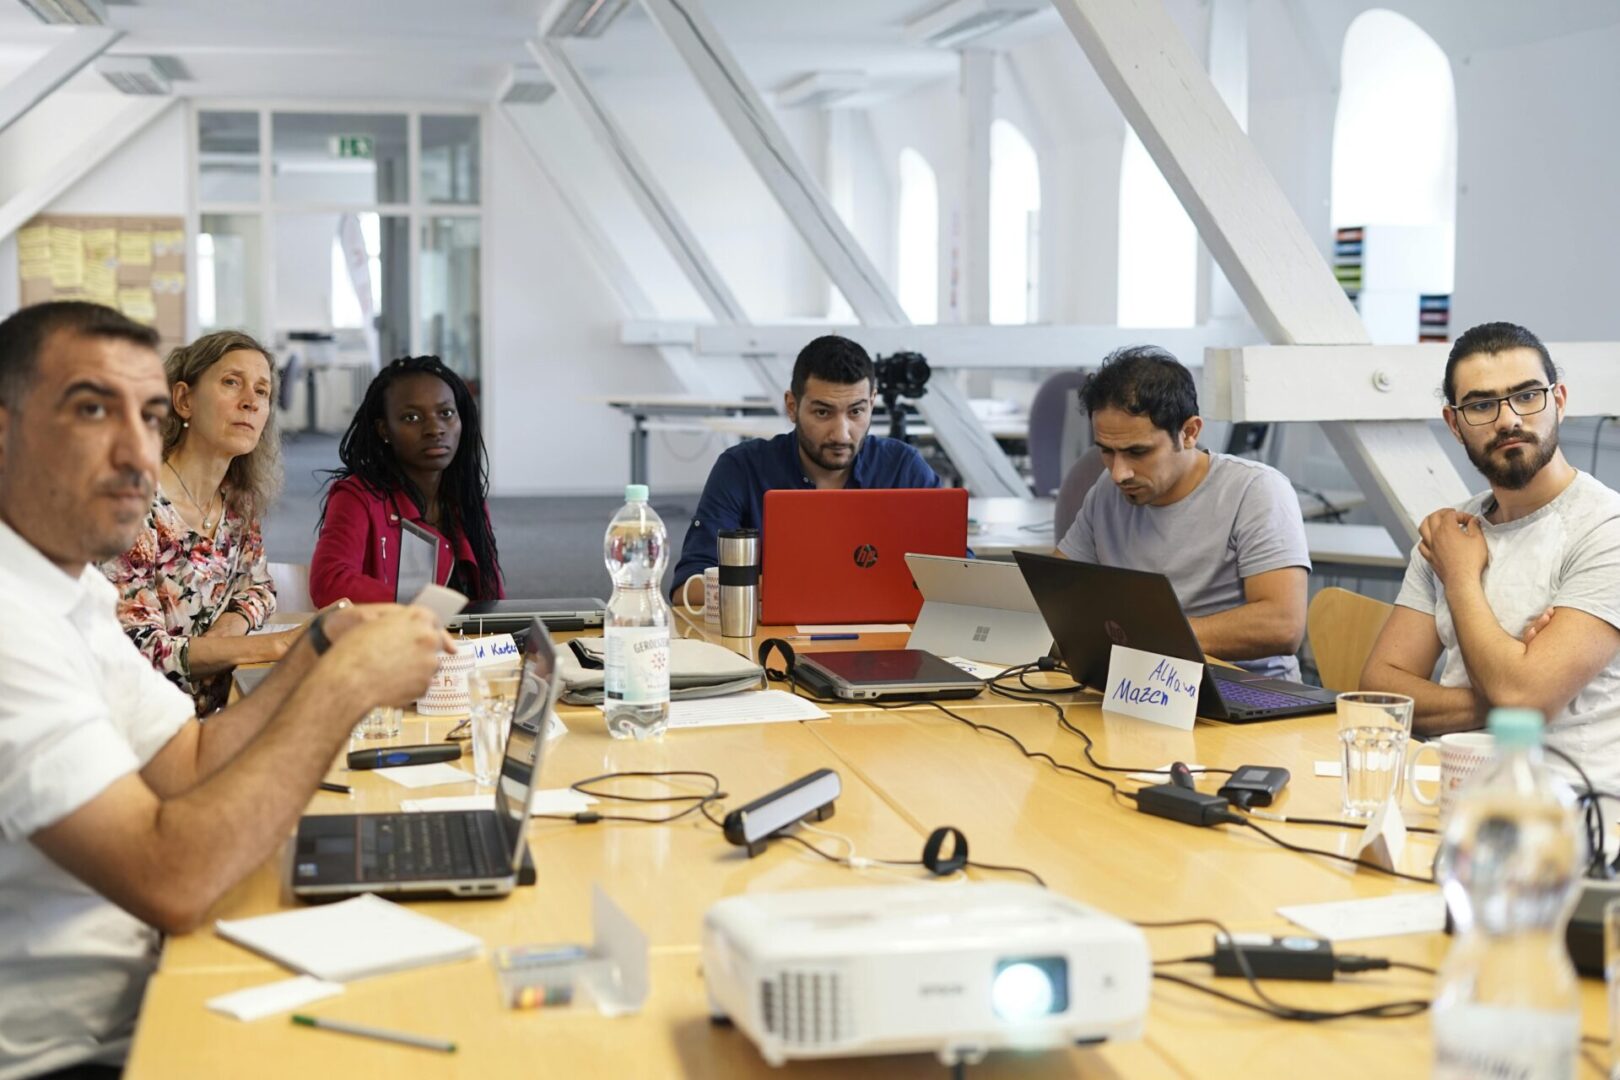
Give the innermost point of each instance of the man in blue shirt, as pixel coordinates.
(830, 404)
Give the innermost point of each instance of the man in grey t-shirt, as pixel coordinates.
(1225, 530)
(1516, 592)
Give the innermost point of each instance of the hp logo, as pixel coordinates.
(1116, 632)
(866, 556)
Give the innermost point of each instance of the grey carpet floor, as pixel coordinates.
(550, 547)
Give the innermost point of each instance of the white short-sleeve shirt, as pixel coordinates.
(1566, 554)
(79, 708)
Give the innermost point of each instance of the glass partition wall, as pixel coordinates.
(358, 227)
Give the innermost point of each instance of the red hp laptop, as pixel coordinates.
(840, 556)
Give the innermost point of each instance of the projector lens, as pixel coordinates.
(1030, 986)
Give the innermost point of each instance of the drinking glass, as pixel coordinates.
(492, 694)
(1373, 731)
(383, 722)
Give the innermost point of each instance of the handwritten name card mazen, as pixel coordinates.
(1160, 689)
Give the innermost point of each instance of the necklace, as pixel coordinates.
(203, 510)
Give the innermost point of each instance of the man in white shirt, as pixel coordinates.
(122, 816)
(1518, 589)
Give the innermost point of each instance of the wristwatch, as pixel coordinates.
(317, 634)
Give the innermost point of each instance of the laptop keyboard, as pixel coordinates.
(1249, 696)
(404, 847)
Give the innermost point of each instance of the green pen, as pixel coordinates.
(365, 1032)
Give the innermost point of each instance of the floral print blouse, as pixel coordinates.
(175, 583)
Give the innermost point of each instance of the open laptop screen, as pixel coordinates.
(525, 738)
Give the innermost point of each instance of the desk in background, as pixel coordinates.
(645, 407)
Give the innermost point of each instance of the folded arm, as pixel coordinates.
(1401, 661)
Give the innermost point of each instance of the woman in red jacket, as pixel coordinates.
(414, 452)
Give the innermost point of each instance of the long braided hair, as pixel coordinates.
(464, 487)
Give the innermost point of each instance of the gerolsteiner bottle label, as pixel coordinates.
(636, 665)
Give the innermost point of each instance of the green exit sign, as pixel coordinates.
(353, 146)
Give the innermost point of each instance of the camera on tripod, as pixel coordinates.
(900, 375)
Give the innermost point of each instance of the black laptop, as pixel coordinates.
(448, 853)
(1091, 608)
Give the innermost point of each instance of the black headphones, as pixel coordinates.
(790, 659)
(942, 865)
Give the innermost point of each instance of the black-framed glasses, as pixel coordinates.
(1486, 410)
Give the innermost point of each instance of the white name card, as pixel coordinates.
(1151, 687)
(495, 649)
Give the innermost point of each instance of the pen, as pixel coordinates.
(823, 637)
(403, 1038)
(341, 789)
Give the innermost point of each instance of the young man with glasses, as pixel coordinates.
(1517, 591)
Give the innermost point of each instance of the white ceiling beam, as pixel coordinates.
(1255, 236)
(66, 59)
(1385, 382)
(947, 346)
(984, 467)
(92, 149)
(977, 87)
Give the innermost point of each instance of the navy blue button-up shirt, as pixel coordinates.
(734, 496)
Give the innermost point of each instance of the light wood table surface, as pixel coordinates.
(904, 772)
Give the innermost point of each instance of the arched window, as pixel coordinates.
(1395, 139)
(1158, 246)
(917, 250)
(1015, 217)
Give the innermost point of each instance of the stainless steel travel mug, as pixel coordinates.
(739, 581)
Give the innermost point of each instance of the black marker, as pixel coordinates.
(388, 756)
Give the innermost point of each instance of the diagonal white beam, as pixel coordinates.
(984, 467)
(91, 150)
(1261, 245)
(65, 60)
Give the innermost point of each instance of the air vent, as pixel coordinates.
(133, 74)
(525, 85)
(807, 1008)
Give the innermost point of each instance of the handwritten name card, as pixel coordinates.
(1151, 687)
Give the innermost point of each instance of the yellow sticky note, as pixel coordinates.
(138, 304)
(100, 245)
(67, 257)
(100, 282)
(135, 249)
(34, 243)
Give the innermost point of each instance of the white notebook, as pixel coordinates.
(352, 939)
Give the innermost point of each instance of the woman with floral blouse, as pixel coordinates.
(196, 581)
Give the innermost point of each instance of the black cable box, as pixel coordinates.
(1585, 933)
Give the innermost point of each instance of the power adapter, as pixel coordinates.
(1185, 805)
(1305, 959)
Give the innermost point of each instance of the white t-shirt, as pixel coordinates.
(1241, 520)
(1567, 554)
(80, 707)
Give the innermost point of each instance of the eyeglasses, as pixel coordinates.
(1486, 410)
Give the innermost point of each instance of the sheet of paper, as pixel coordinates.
(748, 707)
(547, 801)
(1382, 916)
(977, 669)
(1159, 689)
(857, 628)
(431, 775)
(1422, 772)
(352, 939)
(257, 1002)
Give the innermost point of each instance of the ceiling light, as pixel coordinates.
(133, 74)
(960, 21)
(69, 12)
(819, 90)
(586, 18)
(525, 85)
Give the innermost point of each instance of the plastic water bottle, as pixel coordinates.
(1509, 865)
(636, 675)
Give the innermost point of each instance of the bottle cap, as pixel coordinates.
(1515, 727)
(635, 493)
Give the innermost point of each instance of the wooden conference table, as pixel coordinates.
(904, 773)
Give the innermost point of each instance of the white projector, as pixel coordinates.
(958, 970)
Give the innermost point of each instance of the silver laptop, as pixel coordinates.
(448, 853)
(883, 675)
(977, 609)
(510, 616)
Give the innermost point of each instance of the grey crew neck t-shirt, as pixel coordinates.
(1240, 521)
(1567, 554)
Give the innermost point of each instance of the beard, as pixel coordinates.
(818, 452)
(1520, 466)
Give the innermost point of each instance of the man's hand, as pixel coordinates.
(1454, 544)
(1536, 626)
(393, 653)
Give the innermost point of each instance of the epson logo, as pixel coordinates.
(941, 990)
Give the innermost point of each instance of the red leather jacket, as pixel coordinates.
(357, 554)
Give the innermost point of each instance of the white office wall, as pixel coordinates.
(552, 329)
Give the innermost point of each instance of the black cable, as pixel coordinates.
(1209, 959)
(1592, 810)
(590, 817)
(1289, 819)
(1280, 842)
(1403, 965)
(1266, 1003)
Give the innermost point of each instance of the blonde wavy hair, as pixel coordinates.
(253, 480)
